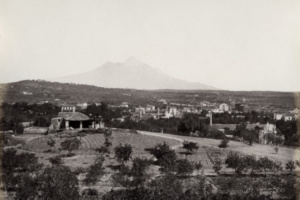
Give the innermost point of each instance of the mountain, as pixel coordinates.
(131, 74)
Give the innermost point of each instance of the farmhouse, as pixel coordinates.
(68, 118)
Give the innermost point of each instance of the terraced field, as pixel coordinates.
(138, 141)
(92, 141)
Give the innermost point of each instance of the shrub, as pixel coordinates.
(166, 157)
(70, 145)
(198, 165)
(276, 149)
(102, 150)
(56, 160)
(184, 167)
(248, 136)
(224, 143)
(217, 165)
(290, 165)
(94, 171)
(58, 182)
(190, 146)
(123, 152)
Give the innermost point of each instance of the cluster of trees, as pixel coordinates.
(290, 131)
(103, 112)
(252, 117)
(13, 114)
(26, 177)
(249, 164)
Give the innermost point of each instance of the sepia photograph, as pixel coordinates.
(149, 100)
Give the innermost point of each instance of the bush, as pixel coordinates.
(56, 160)
(58, 182)
(166, 157)
(224, 143)
(94, 171)
(184, 167)
(249, 136)
(123, 152)
(276, 149)
(290, 165)
(217, 165)
(70, 145)
(190, 146)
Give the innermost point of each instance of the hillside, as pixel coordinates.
(34, 91)
(131, 74)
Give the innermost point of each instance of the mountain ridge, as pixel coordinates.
(131, 74)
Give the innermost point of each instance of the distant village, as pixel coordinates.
(71, 117)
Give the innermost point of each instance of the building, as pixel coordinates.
(224, 107)
(124, 105)
(82, 105)
(267, 129)
(150, 108)
(239, 107)
(284, 116)
(68, 118)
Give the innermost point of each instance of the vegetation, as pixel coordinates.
(184, 167)
(123, 153)
(95, 171)
(249, 136)
(224, 143)
(190, 146)
(166, 157)
(217, 165)
(70, 145)
(58, 182)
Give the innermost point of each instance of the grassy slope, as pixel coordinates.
(258, 150)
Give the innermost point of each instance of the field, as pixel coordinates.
(86, 154)
(259, 150)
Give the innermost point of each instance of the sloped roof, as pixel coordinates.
(73, 116)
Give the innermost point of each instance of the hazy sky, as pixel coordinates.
(228, 44)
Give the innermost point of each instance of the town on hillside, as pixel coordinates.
(103, 143)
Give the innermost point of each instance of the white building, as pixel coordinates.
(224, 107)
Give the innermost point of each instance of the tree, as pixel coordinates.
(139, 166)
(166, 157)
(289, 187)
(56, 160)
(190, 147)
(276, 149)
(224, 143)
(42, 122)
(94, 171)
(16, 165)
(290, 165)
(108, 136)
(248, 136)
(58, 182)
(184, 167)
(70, 145)
(217, 165)
(123, 153)
(27, 187)
(51, 143)
(266, 164)
(102, 150)
(166, 187)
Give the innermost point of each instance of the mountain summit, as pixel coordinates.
(131, 74)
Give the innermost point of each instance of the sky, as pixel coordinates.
(228, 44)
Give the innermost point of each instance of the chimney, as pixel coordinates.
(210, 119)
(74, 109)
